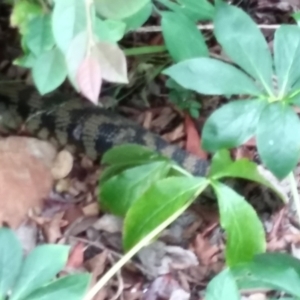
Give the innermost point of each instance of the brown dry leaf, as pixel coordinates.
(92, 209)
(180, 258)
(63, 165)
(162, 287)
(97, 264)
(109, 223)
(76, 256)
(24, 179)
(180, 294)
(258, 296)
(204, 250)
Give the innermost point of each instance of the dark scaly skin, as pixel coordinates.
(80, 126)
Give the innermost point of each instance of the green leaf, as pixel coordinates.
(243, 241)
(223, 166)
(296, 17)
(211, 77)
(244, 43)
(11, 255)
(232, 125)
(130, 154)
(40, 266)
(68, 19)
(222, 287)
(71, 287)
(198, 10)
(25, 61)
(287, 56)
(279, 270)
(39, 37)
(139, 18)
(160, 201)
(183, 39)
(49, 71)
(119, 193)
(23, 12)
(109, 30)
(119, 9)
(278, 138)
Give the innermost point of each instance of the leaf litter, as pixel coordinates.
(189, 252)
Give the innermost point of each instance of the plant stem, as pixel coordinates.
(295, 193)
(144, 50)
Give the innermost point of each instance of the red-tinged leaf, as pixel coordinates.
(193, 141)
(89, 78)
(113, 62)
(76, 257)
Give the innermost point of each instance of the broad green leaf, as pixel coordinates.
(160, 201)
(119, 9)
(139, 18)
(222, 287)
(232, 125)
(244, 232)
(211, 77)
(39, 267)
(223, 166)
(287, 56)
(39, 37)
(119, 192)
(75, 56)
(244, 43)
(278, 270)
(72, 287)
(198, 10)
(68, 19)
(183, 39)
(130, 154)
(11, 255)
(112, 61)
(109, 30)
(278, 138)
(23, 12)
(49, 71)
(296, 17)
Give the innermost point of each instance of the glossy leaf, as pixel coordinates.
(75, 56)
(120, 192)
(222, 287)
(231, 125)
(160, 201)
(278, 138)
(244, 232)
(128, 154)
(39, 267)
(222, 166)
(11, 260)
(287, 56)
(244, 43)
(119, 9)
(112, 61)
(198, 10)
(89, 78)
(183, 39)
(72, 287)
(49, 71)
(211, 77)
(139, 18)
(68, 19)
(39, 37)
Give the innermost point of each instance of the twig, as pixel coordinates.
(295, 193)
(149, 29)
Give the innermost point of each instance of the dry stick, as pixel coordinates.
(149, 29)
